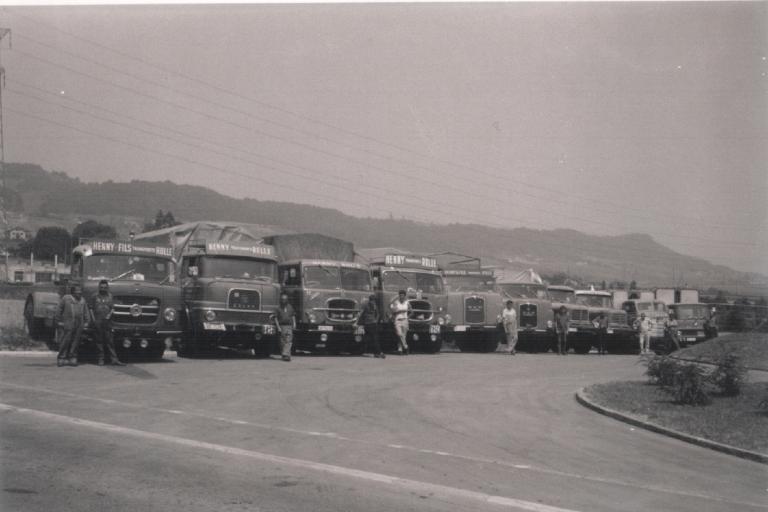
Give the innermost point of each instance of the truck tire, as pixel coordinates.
(156, 351)
(430, 347)
(489, 343)
(582, 346)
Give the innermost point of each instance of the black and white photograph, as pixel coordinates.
(375, 257)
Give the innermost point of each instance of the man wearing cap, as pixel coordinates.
(369, 319)
(102, 307)
(401, 309)
(284, 317)
(509, 321)
(601, 325)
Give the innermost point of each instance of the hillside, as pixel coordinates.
(40, 197)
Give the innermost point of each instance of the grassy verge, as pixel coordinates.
(736, 420)
(750, 348)
(14, 338)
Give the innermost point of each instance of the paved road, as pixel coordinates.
(443, 432)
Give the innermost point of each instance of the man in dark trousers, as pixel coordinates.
(601, 324)
(561, 329)
(285, 318)
(72, 317)
(369, 318)
(102, 314)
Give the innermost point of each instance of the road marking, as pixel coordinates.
(468, 458)
(422, 487)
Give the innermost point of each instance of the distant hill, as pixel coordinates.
(39, 196)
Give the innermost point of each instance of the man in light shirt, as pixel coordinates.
(509, 320)
(401, 309)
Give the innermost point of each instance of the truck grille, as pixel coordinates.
(474, 310)
(421, 310)
(136, 310)
(580, 315)
(528, 315)
(618, 318)
(249, 300)
(342, 309)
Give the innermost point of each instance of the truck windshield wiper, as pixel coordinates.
(129, 271)
(403, 276)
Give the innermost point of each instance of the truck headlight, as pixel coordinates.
(440, 320)
(169, 314)
(550, 324)
(312, 318)
(210, 315)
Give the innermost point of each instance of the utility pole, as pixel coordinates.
(3, 32)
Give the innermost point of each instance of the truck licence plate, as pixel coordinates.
(460, 328)
(319, 345)
(573, 329)
(690, 339)
(434, 329)
(214, 326)
(609, 331)
(324, 327)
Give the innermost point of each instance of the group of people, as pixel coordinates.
(74, 314)
(644, 326)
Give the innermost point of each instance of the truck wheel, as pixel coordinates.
(187, 347)
(262, 349)
(156, 351)
(489, 343)
(582, 347)
(431, 347)
(463, 345)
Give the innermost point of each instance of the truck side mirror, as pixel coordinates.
(192, 271)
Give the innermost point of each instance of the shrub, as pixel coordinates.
(662, 370)
(690, 385)
(729, 375)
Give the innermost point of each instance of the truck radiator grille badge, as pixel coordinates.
(474, 310)
(528, 315)
(244, 299)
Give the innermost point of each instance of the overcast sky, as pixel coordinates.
(605, 118)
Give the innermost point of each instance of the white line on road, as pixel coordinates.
(436, 489)
(469, 458)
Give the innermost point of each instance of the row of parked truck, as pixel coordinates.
(203, 285)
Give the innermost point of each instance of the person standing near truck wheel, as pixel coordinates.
(509, 321)
(601, 324)
(285, 320)
(102, 315)
(643, 325)
(370, 318)
(561, 329)
(670, 332)
(72, 317)
(401, 309)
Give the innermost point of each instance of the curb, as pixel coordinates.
(27, 353)
(653, 427)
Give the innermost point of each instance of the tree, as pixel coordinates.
(92, 229)
(603, 285)
(633, 285)
(51, 240)
(162, 220)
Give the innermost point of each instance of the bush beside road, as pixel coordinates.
(750, 348)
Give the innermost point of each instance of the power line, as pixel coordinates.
(679, 219)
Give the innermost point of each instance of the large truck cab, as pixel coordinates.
(425, 290)
(142, 281)
(621, 336)
(328, 296)
(474, 306)
(535, 317)
(655, 310)
(229, 290)
(580, 329)
(694, 322)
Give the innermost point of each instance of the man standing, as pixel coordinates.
(509, 321)
(102, 314)
(401, 309)
(285, 320)
(369, 319)
(562, 319)
(72, 317)
(643, 325)
(670, 330)
(601, 324)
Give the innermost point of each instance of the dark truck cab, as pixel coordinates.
(694, 322)
(229, 290)
(621, 337)
(142, 281)
(425, 290)
(581, 332)
(328, 296)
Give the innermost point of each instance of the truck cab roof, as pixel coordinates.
(325, 263)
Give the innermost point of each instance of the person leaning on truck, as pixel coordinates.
(284, 317)
(102, 318)
(71, 317)
(509, 321)
(401, 309)
(369, 319)
(601, 324)
(561, 330)
(670, 331)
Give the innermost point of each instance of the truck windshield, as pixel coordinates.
(596, 301)
(524, 291)
(237, 268)
(119, 267)
(563, 296)
(469, 283)
(395, 280)
(690, 312)
(323, 277)
(355, 279)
